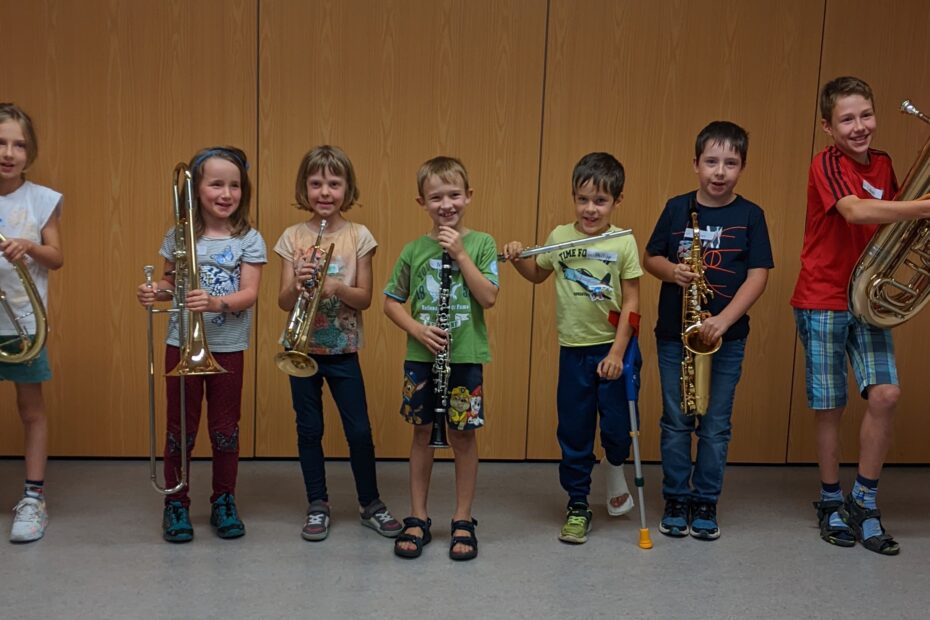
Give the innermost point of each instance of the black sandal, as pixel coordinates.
(854, 514)
(839, 536)
(470, 540)
(418, 541)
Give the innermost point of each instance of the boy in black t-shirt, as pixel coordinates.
(736, 256)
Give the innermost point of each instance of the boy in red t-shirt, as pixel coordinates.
(850, 191)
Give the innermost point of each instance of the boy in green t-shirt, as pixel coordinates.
(444, 193)
(593, 282)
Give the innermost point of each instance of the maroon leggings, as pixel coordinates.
(224, 398)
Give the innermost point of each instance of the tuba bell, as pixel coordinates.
(891, 282)
(29, 346)
(196, 358)
(296, 360)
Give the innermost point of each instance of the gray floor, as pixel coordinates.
(103, 557)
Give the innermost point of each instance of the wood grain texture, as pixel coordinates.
(393, 84)
(640, 80)
(120, 92)
(889, 51)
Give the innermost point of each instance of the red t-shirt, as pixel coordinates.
(832, 245)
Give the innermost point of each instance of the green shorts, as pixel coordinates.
(35, 370)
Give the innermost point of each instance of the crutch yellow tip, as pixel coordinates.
(644, 541)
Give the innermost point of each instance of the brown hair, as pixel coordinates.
(449, 169)
(333, 160)
(842, 87)
(239, 220)
(12, 112)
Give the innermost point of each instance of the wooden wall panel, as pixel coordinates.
(640, 80)
(120, 91)
(896, 63)
(395, 83)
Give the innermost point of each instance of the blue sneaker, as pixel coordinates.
(225, 518)
(176, 523)
(676, 518)
(704, 521)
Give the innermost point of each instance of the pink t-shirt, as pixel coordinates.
(337, 328)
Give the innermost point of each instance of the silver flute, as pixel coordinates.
(555, 247)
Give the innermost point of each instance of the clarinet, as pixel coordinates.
(441, 365)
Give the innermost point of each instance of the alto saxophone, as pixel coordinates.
(296, 360)
(442, 367)
(696, 360)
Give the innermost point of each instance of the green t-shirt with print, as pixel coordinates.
(587, 284)
(416, 277)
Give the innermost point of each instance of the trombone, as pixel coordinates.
(196, 358)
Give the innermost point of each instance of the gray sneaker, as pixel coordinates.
(316, 526)
(377, 517)
(29, 520)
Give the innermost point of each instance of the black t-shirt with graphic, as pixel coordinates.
(734, 239)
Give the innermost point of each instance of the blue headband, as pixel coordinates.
(219, 152)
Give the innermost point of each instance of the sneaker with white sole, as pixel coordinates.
(29, 520)
(316, 527)
(377, 517)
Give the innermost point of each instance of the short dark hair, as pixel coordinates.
(842, 87)
(723, 132)
(12, 112)
(602, 170)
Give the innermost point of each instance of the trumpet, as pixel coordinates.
(196, 358)
(555, 247)
(296, 360)
(29, 346)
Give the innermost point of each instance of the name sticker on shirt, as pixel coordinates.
(874, 191)
(709, 238)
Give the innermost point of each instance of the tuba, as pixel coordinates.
(196, 358)
(29, 347)
(696, 358)
(891, 282)
(296, 360)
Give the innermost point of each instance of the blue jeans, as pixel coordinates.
(580, 397)
(344, 377)
(704, 481)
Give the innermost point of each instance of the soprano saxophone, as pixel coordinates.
(696, 360)
(442, 367)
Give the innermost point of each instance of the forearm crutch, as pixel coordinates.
(632, 362)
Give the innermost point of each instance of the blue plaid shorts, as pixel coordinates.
(828, 336)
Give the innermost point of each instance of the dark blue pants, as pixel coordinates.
(581, 396)
(344, 377)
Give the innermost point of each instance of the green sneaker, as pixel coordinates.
(577, 524)
(176, 523)
(225, 518)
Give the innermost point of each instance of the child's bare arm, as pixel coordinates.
(198, 300)
(482, 289)
(48, 253)
(526, 267)
(429, 336)
(160, 290)
(358, 296)
(857, 210)
(667, 271)
(611, 367)
(714, 327)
